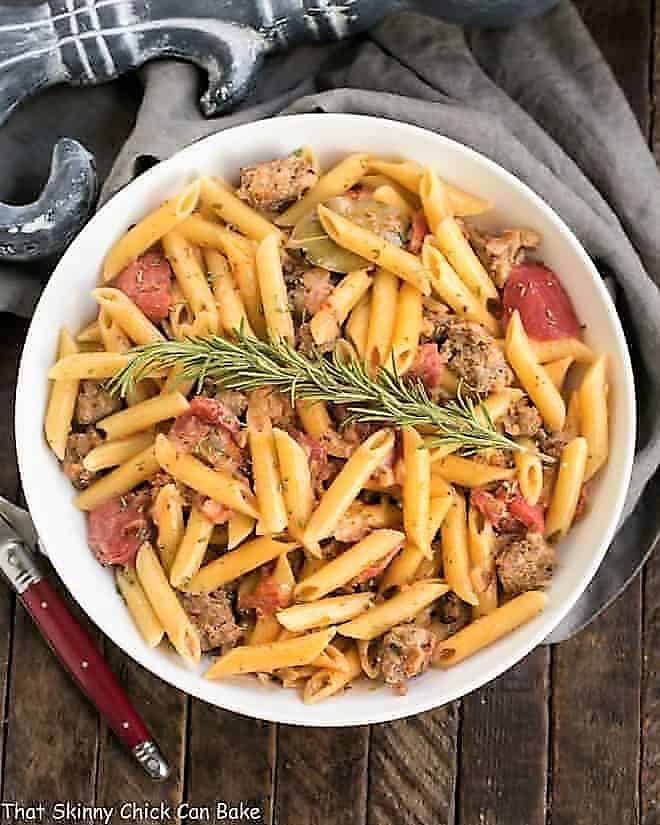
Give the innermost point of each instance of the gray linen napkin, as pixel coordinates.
(538, 99)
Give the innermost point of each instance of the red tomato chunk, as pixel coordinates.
(148, 283)
(545, 309)
(117, 528)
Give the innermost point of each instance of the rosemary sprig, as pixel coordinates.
(386, 398)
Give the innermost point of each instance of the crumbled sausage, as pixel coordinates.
(235, 401)
(522, 419)
(276, 183)
(212, 615)
(453, 614)
(94, 403)
(317, 286)
(276, 405)
(475, 357)
(525, 564)
(407, 651)
(502, 251)
(77, 447)
(551, 444)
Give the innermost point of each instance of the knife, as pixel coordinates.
(70, 643)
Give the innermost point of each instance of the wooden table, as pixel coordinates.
(571, 736)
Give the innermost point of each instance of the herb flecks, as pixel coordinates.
(246, 364)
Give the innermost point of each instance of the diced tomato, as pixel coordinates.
(491, 507)
(148, 283)
(213, 411)
(215, 512)
(376, 568)
(117, 528)
(505, 510)
(429, 365)
(267, 597)
(418, 231)
(545, 309)
(187, 431)
(529, 515)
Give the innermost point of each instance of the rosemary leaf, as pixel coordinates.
(248, 363)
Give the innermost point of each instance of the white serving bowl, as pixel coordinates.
(67, 301)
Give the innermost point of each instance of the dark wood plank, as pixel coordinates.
(321, 776)
(596, 738)
(504, 747)
(164, 710)
(412, 769)
(11, 342)
(650, 767)
(231, 759)
(623, 29)
(52, 736)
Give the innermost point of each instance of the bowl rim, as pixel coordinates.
(250, 707)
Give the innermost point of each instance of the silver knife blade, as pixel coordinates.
(20, 520)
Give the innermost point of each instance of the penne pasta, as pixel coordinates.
(407, 328)
(490, 628)
(382, 317)
(416, 490)
(268, 485)
(191, 551)
(91, 334)
(266, 658)
(273, 291)
(466, 472)
(178, 627)
(568, 486)
(346, 486)
(113, 453)
(357, 325)
(556, 348)
(113, 337)
(454, 292)
(557, 370)
(450, 238)
(192, 280)
(296, 483)
(340, 570)
(455, 551)
(247, 557)
(119, 307)
(335, 182)
(216, 484)
(150, 230)
(123, 479)
(532, 376)
(143, 416)
(87, 365)
(481, 544)
(62, 400)
(325, 683)
(373, 248)
(235, 212)
(239, 528)
(402, 607)
(232, 314)
(167, 514)
(325, 612)
(314, 417)
(409, 174)
(594, 425)
(529, 471)
(326, 323)
(388, 194)
(139, 606)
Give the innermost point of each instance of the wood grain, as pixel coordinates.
(595, 725)
(52, 737)
(321, 776)
(412, 769)
(164, 709)
(13, 334)
(650, 767)
(504, 747)
(231, 759)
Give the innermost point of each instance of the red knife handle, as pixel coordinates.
(89, 669)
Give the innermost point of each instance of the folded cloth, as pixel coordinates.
(538, 99)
